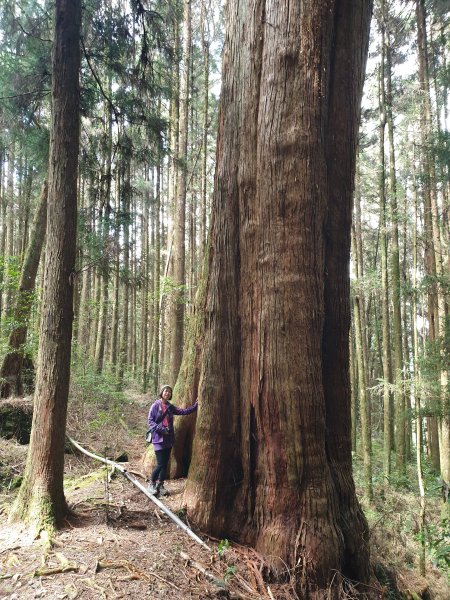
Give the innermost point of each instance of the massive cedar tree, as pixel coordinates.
(272, 453)
(41, 499)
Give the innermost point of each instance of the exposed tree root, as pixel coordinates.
(64, 567)
(134, 573)
(210, 576)
(54, 570)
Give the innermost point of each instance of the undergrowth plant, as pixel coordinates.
(96, 404)
(394, 522)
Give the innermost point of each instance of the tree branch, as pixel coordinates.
(99, 83)
(25, 94)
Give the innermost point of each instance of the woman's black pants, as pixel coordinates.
(162, 460)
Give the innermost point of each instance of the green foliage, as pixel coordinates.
(95, 397)
(222, 547)
(437, 538)
(8, 478)
(441, 150)
(230, 571)
(394, 521)
(170, 288)
(11, 269)
(25, 46)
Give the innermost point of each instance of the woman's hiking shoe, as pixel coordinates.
(163, 491)
(154, 489)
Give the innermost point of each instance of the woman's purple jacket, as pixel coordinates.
(159, 438)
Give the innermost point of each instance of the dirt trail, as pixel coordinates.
(117, 543)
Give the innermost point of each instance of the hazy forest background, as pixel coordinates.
(150, 85)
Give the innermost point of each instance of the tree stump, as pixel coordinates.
(15, 419)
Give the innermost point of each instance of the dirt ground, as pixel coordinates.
(117, 543)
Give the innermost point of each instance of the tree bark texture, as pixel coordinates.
(387, 442)
(179, 226)
(439, 438)
(41, 500)
(9, 257)
(394, 252)
(272, 454)
(11, 369)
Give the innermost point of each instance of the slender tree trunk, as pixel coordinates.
(433, 256)
(205, 129)
(360, 356)
(406, 328)
(97, 294)
(9, 284)
(179, 274)
(123, 354)
(387, 442)
(417, 393)
(354, 388)
(25, 214)
(88, 287)
(3, 231)
(41, 502)
(148, 201)
(103, 283)
(115, 314)
(105, 229)
(399, 393)
(11, 369)
(156, 351)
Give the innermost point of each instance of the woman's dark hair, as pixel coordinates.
(165, 387)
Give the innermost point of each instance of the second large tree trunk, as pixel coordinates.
(272, 455)
(41, 500)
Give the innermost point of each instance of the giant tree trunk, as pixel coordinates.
(272, 455)
(11, 369)
(41, 502)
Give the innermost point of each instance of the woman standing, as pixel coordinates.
(160, 423)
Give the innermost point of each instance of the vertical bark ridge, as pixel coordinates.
(41, 500)
(260, 472)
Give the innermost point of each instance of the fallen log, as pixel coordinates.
(143, 489)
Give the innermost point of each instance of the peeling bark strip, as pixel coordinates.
(272, 454)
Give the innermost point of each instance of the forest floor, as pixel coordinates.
(118, 544)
